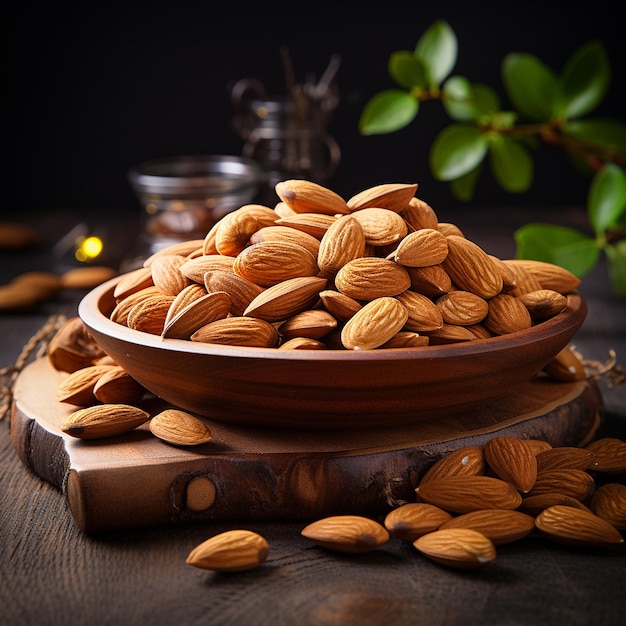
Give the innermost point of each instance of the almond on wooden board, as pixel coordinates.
(77, 387)
(103, 420)
(179, 428)
(465, 461)
(512, 460)
(462, 494)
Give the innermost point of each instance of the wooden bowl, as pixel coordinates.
(328, 389)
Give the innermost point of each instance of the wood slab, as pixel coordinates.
(247, 473)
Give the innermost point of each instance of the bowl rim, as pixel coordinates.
(90, 310)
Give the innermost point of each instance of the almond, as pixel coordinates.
(149, 314)
(201, 311)
(506, 314)
(381, 227)
(565, 457)
(406, 339)
(270, 262)
(533, 505)
(117, 386)
(304, 196)
(543, 303)
(462, 308)
(302, 343)
(609, 503)
(565, 366)
(368, 278)
(465, 461)
(314, 224)
(424, 315)
(450, 333)
(462, 494)
(235, 228)
(283, 233)
(577, 527)
(77, 387)
(419, 214)
(432, 281)
(166, 274)
(86, 277)
(230, 551)
(103, 420)
(548, 275)
(460, 548)
(471, 268)
(447, 228)
(340, 306)
(238, 331)
(609, 456)
(342, 242)
(525, 281)
(376, 323)
(512, 460)
(179, 428)
(570, 482)
(184, 298)
(538, 445)
(72, 347)
(133, 281)
(313, 323)
(414, 519)
(291, 296)
(240, 290)
(121, 310)
(347, 533)
(391, 196)
(196, 268)
(501, 526)
(422, 248)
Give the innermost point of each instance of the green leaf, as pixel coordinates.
(465, 102)
(457, 150)
(606, 132)
(607, 197)
(584, 81)
(388, 111)
(511, 164)
(463, 188)
(407, 70)
(437, 48)
(563, 246)
(616, 256)
(530, 85)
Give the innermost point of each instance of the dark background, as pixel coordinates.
(91, 90)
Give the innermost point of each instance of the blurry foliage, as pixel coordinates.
(546, 109)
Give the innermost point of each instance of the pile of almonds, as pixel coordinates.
(470, 502)
(316, 271)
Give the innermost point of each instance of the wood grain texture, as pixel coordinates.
(260, 473)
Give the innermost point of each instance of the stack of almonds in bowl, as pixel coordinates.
(378, 270)
(469, 503)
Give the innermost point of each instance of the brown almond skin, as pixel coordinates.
(570, 482)
(179, 428)
(230, 551)
(460, 548)
(499, 525)
(609, 503)
(466, 461)
(462, 494)
(565, 457)
(347, 533)
(103, 420)
(533, 505)
(577, 527)
(565, 366)
(78, 387)
(118, 387)
(414, 519)
(610, 456)
(512, 460)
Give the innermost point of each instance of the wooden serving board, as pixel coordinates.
(247, 473)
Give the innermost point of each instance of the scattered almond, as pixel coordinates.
(230, 551)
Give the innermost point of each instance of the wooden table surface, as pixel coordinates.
(51, 573)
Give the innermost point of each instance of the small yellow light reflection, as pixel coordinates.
(88, 248)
